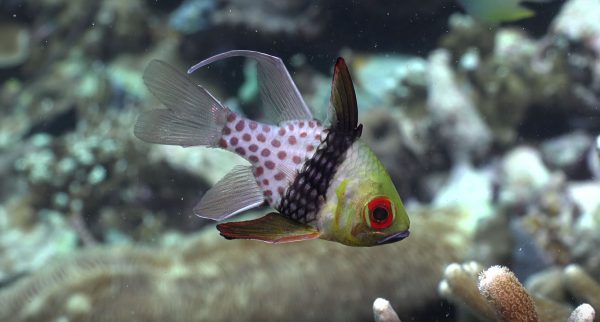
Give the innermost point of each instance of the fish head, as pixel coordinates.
(368, 210)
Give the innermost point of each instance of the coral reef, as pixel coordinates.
(453, 113)
(583, 313)
(383, 311)
(206, 277)
(499, 296)
(507, 296)
(15, 45)
(490, 133)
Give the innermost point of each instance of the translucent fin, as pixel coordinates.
(342, 104)
(236, 192)
(192, 117)
(272, 228)
(277, 89)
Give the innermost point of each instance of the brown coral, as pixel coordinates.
(509, 300)
(506, 294)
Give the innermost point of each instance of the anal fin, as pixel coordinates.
(272, 228)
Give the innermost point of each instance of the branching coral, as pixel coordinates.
(209, 278)
(383, 311)
(508, 297)
(582, 286)
(583, 313)
(499, 296)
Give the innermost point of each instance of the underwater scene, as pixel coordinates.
(300, 160)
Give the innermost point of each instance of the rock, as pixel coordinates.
(523, 174)
(15, 47)
(568, 153)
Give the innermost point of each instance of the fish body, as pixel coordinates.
(323, 181)
(496, 11)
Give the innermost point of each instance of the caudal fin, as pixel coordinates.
(193, 116)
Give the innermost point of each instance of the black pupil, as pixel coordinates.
(380, 214)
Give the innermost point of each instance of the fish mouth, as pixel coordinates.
(394, 237)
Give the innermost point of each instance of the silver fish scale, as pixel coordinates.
(305, 196)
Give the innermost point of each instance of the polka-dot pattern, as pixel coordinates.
(277, 153)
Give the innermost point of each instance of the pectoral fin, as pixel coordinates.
(272, 228)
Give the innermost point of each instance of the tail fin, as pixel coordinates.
(193, 116)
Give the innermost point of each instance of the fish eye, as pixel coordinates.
(379, 213)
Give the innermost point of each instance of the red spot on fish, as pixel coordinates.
(266, 128)
(246, 137)
(265, 182)
(281, 131)
(265, 152)
(231, 117)
(281, 155)
(253, 125)
(240, 125)
(222, 143)
(259, 171)
(261, 137)
(292, 140)
(233, 141)
(301, 124)
(310, 147)
(276, 143)
(318, 137)
(253, 158)
(226, 131)
(291, 127)
(279, 176)
(281, 190)
(270, 165)
(268, 193)
(297, 159)
(303, 134)
(240, 151)
(253, 147)
(311, 124)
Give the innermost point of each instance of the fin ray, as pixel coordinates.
(272, 228)
(193, 116)
(237, 191)
(278, 91)
(343, 106)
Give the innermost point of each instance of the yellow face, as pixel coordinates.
(368, 210)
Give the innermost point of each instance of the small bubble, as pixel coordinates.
(14, 15)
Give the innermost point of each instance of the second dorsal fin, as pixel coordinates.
(342, 104)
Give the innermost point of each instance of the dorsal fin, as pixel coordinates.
(342, 104)
(277, 89)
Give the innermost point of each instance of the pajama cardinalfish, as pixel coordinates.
(323, 181)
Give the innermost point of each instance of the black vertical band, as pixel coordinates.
(303, 199)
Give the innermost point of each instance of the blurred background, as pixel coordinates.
(486, 114)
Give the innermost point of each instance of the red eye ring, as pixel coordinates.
(380, 211)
